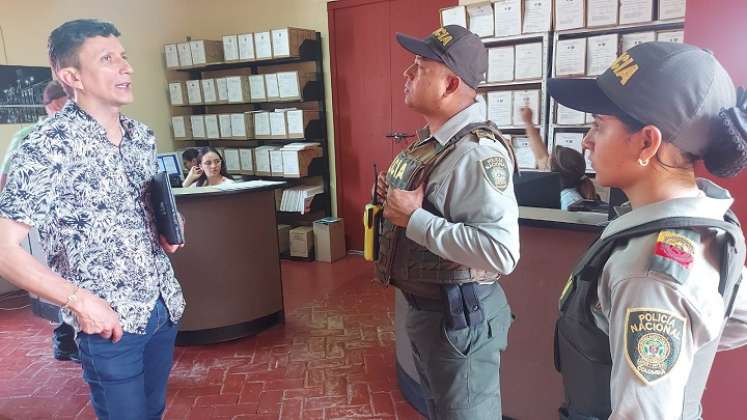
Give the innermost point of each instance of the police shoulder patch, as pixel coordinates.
(653, 340)
(495, 170)
(674, 253)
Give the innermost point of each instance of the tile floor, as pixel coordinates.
(332, 359)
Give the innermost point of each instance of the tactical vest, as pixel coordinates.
(404, 263)
(582, 350)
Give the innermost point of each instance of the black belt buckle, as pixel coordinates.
(453, 309)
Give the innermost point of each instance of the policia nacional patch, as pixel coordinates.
(496, 172)
(653, 339)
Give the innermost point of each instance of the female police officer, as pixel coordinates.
(654, 298)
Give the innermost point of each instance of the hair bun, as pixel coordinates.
(727, 155)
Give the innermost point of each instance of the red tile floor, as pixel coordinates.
(332, 359)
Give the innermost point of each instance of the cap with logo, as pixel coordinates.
(679, 88)
(456, 47)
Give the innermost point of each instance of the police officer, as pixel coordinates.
(653, 300)
(450, 228)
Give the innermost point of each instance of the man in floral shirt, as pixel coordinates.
(82, 178)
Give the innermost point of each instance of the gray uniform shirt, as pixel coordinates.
(479, 227)
(629, 286)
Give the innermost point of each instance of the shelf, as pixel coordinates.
(309, 51)
(514, 38)
(511, 83)
(659, 25)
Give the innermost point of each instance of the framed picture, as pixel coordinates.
(21, 89)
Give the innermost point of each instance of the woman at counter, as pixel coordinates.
(569, 163)
(209, 172)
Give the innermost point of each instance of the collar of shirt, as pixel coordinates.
(74, 112)
(714, 204)
(473, 113)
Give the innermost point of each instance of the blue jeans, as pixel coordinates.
(128, 378)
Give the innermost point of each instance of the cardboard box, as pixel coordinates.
(224, 124)
(569, 14)
(278, 125)
(286, 42)
(263, 45)
(298, 121)
(194, 92)
(537, 16)
(291, 85)
(480, 19)
(297, 158)
(528, 98)
(206, 52)
(601, 13)
(284, 238)
(242, 126)
(262, 129)
(262, 160)
(182, 127)
(528, 63)
(671, 36)
(184, 51)
(276, 162)
(671, 9)
(171, 53)
(523, 152)
(230, 48)
(631, 40)
(301, 241)
(501, 64)
(570, 57)
(209, 91)
(329, 239)
(222, 85)
(198, 126)
(454, 16)
(177, 93)
(238, 89)
(601, 51)
(246, 47)
(636, 11)
(257, 88)
(246, 160)
(231, 156)
(507, 15)
(500, 106)
(211, 126)
(568, 116)
(272, 90)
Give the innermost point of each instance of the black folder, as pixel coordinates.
(164, 207)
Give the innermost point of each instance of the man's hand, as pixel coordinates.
(400, 205)
(96, 316)
(526, 115)
(381, 187)
(167, 246)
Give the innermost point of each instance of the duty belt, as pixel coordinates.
(459, 303)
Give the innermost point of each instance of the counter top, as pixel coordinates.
(561, 219)
(229, 188)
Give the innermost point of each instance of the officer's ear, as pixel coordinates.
(453, 82)
(649, 140)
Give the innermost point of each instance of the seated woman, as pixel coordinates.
(210, 171)
(569, 163)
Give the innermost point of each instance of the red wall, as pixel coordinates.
(721, 26)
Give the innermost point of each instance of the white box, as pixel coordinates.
(526, 98)
(481, 19)
(257, 91)
(276, 162)
(528, 61)
(238, 89)
(263, 45)
(631, 40)
(501, 64)
(177, 92)
(262, 128)
(172, 56)
(568, 116)
(569, 14)
(297, 120)
(262, 160)
(601, 13)
(569, 140)
(500, 105)
(280, 42)
(636, 11)
(507, 20)
(537, 16)
(198, 126)
(230, 48)
(601, 51)
(242, 125)
(224, 122)
(246, 160)
(211, 126)
(194, 92)
(272, 89)
(209, 92)
(570, 57)
(206, 51)
(288, 85)
(671, 36)
(671, 9)
(246, 47)
(454, 16)
(233, 162)
(182, 127)
(278, 125)
(297, 159)
(523, 152)
(185, 54)
(222, 85)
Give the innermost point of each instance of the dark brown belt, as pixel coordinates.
(437, 305)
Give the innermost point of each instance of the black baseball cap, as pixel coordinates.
(678, 88)
(456, 47)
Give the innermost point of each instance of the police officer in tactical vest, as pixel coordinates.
(657, 295)
(450, 230)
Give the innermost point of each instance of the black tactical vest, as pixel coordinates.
(403, 262)
(582, 354)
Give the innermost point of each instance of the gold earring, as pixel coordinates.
(643, 162)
